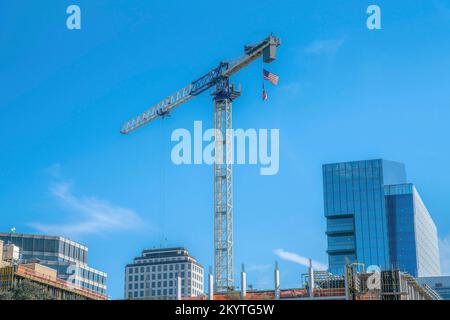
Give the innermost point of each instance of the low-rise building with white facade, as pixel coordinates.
(154, 275)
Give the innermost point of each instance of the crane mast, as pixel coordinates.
(223, 97)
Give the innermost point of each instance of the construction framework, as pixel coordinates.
(11, 276)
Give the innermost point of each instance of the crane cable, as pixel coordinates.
(162, 210)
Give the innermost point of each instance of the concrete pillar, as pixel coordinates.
(243, 283)
(277, 282)
(179, 286)
(311, 279)
(210, 285)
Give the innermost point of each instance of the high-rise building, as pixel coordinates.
(67, 257)
(413, 241)
(154, 275)
(375, 217)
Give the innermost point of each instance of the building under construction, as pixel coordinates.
(12, 273)
(356, 284)
(11, 276)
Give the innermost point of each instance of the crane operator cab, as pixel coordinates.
(162, 113)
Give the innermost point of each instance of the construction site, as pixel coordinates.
(322, 285)
(392, 285)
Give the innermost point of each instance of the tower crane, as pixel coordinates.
(223, 96)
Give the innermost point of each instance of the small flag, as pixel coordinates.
(272, 77)
(264, 93)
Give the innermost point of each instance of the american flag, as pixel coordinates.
(272, 77)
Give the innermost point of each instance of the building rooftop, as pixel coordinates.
(45, 237)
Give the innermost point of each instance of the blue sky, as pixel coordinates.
(345, 93)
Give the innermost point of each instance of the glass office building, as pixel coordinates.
(369, 219)
(413, 241)
(67, 257)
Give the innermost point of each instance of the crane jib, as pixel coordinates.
(265, 48)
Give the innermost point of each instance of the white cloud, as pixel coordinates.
(444, 250)
(95, 216)
(320, 47)
(293, 257)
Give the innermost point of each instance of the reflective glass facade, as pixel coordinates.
(375, 217)
(412, 232)
(355, 211)
(67, 257)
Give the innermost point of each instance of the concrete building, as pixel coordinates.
(11, 275)
(154, 275)
(2, 261)
(67, 257)
(440, 284)
(375, 217)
